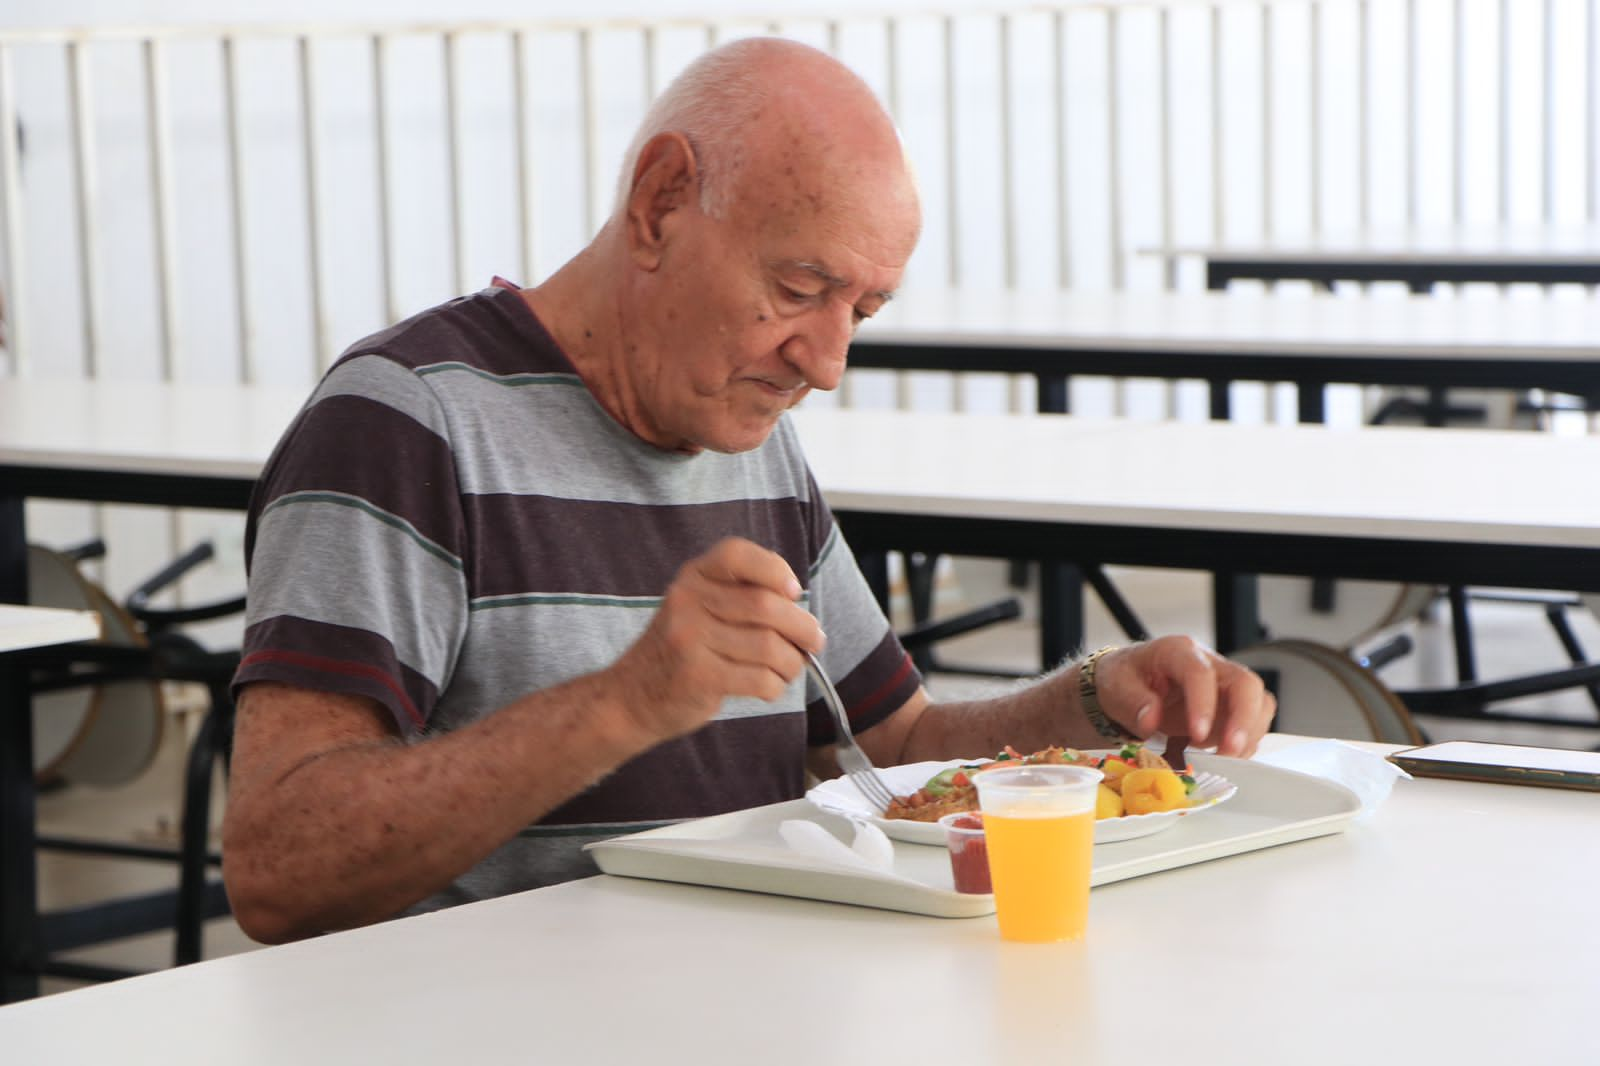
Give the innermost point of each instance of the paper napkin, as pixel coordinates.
(1371, 777)
(871, 849)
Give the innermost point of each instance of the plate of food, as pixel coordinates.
(1140, 795)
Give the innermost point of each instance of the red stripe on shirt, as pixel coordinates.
(882, 692)
(338, 666)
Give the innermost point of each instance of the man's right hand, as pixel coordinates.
(729, 625)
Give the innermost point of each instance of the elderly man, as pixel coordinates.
(540, 566)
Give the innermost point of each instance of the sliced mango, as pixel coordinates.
(1107, 803)
(1152, 790)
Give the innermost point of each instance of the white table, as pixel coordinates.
(1470, 506)
(1309, 340)
(22, 628)
(1455, 925)
(1418, 255)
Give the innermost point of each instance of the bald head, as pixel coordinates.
(761, 110)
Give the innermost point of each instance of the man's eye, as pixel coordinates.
(797, 296)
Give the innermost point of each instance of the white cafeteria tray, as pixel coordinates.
(743, 850)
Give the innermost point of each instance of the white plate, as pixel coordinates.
(840, 796)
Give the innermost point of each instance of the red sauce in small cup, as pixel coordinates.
(969, 856)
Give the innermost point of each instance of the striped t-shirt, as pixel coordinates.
(453, 521)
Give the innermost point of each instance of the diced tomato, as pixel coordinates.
(960, 780)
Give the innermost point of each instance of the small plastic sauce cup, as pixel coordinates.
(969, 852)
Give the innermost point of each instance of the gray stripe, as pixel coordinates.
(388, 518)
(842, 598)
(391, 585)
(375, 377)
(502, 427)
(530, 647)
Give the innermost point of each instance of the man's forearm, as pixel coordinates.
(1029, 717)
(358, 833)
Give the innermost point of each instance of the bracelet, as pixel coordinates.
(1089, 698)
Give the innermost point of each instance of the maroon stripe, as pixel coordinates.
(867, 706)
(426, 495)
(724, 766)
(551, 544)
(332, 658)
(493, 330)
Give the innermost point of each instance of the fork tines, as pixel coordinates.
(870, 784)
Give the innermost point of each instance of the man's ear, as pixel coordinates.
(666, 180)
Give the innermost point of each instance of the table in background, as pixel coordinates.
(1454, 925)
(1493, 507)
(23, 628)
(1310, 341)
(106, 442)
(1418, 256)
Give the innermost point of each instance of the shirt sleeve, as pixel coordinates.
(873, 673)
(354, 546)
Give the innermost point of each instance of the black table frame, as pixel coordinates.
(1416, 271)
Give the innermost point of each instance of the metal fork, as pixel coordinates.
(852, 760)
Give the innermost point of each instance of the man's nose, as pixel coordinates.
(819, 351)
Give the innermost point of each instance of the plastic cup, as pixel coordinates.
(969, 852)
(1039, 828)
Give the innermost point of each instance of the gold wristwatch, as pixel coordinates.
(1089, 698)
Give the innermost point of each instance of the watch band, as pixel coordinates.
(1089, 698)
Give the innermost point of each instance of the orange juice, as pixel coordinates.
(1040, 868)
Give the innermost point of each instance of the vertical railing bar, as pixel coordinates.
(522, 152)
(16, 241)
(651, 72)
(952, 190)
(1364, 112)
(380, 150)
(1268, 170)
(523, 166)
(236, 232)
(1591, 111)
(78, 89)
(1267, 113)
(308, 133)
(1504, 162)
(1219, 199)
(1314, 76)
(1547, 204)
(160, 158)
(1413, 104)
(1119, 267)
(591, 130)
(891, 61)
(1458, 91)
(452, 148)
(1064, 199)
(1008, 206)
(1169, 266)
(711, 35)
(1008, 195)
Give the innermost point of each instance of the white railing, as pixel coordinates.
(240, 202)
